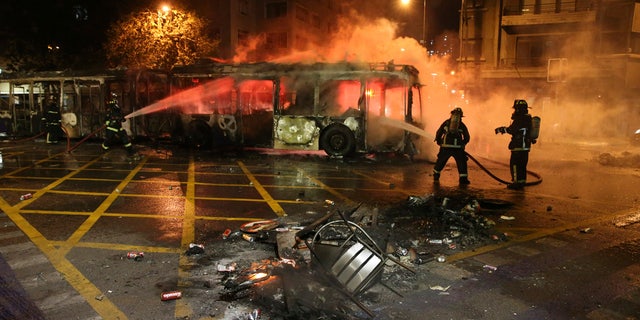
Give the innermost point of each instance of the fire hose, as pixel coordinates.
(69, 149)
(504, 181)
(30, 138)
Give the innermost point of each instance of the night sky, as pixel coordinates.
(78, 26)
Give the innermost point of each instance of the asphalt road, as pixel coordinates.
(571, 248)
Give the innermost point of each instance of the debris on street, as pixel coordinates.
(327, 267)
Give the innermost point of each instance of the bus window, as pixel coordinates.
(256, 96)
(386, 98)
(339, 96)
(416, 105)
(296, 96)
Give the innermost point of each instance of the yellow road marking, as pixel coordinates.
(119, 247)
(183, 310)
(327, 188)
(96, 214)
(73, 276)
(138, 215)
(275, 206)
(382, 182)
(540, 234)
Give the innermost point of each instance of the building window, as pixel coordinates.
(277, 40)
(302, 14)
(535, 51)
(301, 43)
(244, 7)
(315, 21)
(243, 37)
(276, 9)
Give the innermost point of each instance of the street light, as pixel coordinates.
(424, 19)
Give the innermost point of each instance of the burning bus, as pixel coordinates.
(341, 108)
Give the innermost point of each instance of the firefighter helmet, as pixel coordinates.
(457, 111)
(520, 106)
(113, 101)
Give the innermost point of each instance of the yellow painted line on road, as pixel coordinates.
(228, 219)
(119, 247)
(541, 234)
(183, 309)
(275, 206)
(96, 214)
(383, 183)
(141, 215)
(105, 308)
(10, 174)
(333, 191)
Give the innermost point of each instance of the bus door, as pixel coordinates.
(295, 122)
(255, 111)
(88, 113)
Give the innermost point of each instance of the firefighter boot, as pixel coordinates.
(516, 186)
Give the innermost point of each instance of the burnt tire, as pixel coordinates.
(337, 140)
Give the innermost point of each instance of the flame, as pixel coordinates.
(258, 276)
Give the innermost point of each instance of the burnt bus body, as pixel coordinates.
(341, 108)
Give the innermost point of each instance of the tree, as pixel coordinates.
(158, 40)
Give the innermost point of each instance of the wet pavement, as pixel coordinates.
(566, 248)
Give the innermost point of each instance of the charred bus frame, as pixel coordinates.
(81, 97)
(341, 108)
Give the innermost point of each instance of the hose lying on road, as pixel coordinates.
(30, 138)
(503, 181)
(85, 139)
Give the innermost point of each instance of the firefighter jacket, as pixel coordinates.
(114, 119)
(520, 131)
(447, 138)
(51, 116)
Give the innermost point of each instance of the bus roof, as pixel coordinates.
(271, 69)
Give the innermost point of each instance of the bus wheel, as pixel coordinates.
(337, 140)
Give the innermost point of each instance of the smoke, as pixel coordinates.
(366, 40)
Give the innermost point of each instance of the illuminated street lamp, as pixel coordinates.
(424, 19)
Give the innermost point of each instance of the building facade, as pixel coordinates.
(552, 40)
(559, 52)
(254, 30)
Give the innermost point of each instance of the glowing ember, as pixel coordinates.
(256, 277)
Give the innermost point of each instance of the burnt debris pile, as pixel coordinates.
(624, 159)
(429, 227)
(332, 266)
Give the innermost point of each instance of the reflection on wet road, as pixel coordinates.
(85, 208)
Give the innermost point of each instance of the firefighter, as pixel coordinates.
(452, 137)
(52, 120)
(520, 130)
(114, 129)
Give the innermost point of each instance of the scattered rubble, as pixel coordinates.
(329, 267)
(625, 159)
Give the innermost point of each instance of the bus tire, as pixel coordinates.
(337, 140)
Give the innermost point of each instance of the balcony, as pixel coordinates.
(547, 17)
